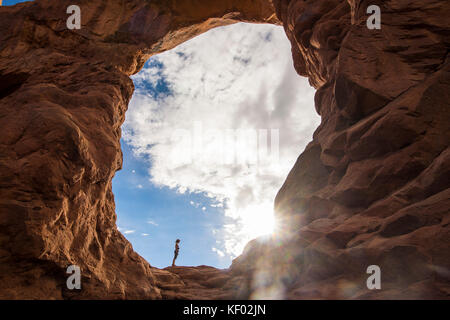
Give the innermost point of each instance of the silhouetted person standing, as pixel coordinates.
(177, 249)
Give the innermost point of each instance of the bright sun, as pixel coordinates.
(258, 220)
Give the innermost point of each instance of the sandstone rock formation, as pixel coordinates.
(373, 185)
(371, 188)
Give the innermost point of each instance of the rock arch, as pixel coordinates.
(371, 188)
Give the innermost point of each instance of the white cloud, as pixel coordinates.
(129, 231)
(235, 77)
(219, 252)
(194, 204)
(144, 234)
(152, 223)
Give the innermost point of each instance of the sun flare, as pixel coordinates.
(258, 220)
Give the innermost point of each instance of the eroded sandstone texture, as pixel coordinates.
(371, 188)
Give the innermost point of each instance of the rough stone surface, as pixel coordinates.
(371, 188)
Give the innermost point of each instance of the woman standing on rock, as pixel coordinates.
(177, 248)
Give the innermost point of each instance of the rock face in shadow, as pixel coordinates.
(372, 188)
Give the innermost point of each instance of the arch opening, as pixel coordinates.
(208, 141)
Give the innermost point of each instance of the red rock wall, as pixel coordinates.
(371, 188)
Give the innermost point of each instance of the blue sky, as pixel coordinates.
(164, 215)
(152, 217)
(234, 89)
(10, 2)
